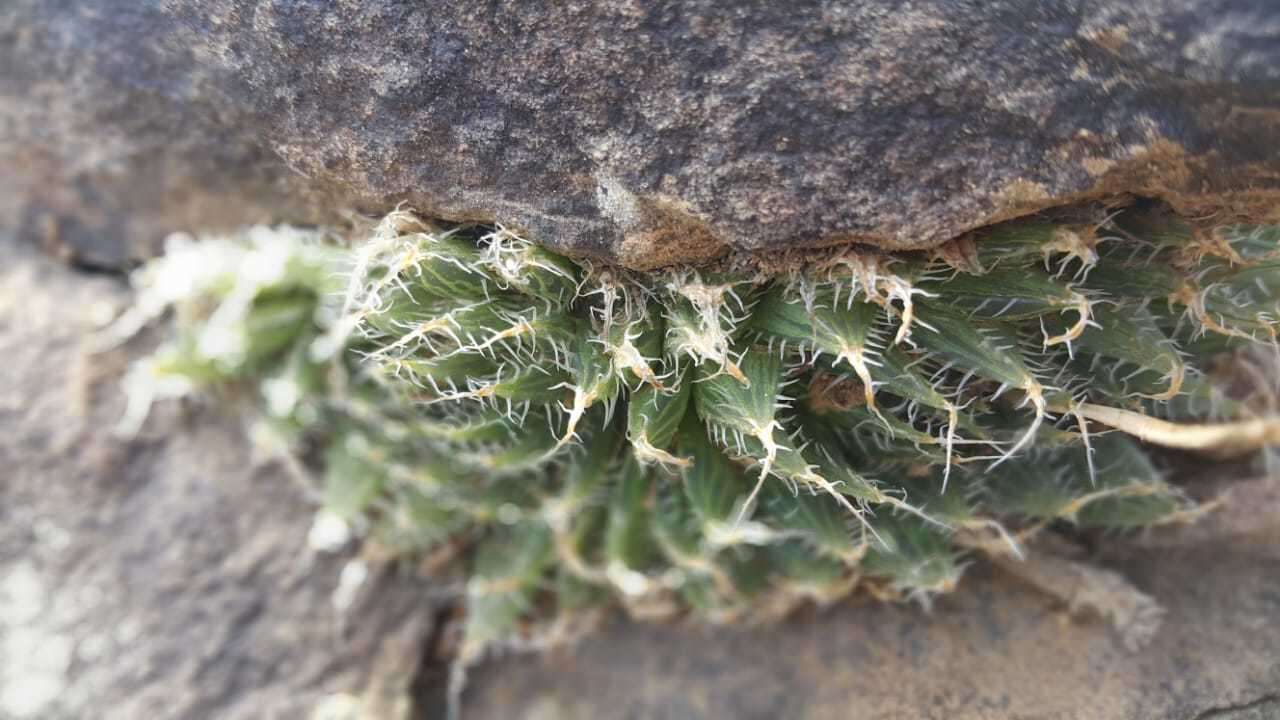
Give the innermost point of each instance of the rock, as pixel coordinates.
(646, 133)
(993, 650)
(168, 577)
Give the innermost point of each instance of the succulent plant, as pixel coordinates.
(729, 441)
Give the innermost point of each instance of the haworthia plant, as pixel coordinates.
(725, 443)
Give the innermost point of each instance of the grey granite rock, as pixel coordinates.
(643, 132)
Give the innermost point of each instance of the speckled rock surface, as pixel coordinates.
(642, 132)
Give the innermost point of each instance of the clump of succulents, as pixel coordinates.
(729, 441)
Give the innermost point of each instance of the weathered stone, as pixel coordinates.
(993, 650)
(168, 576)
(642, 132)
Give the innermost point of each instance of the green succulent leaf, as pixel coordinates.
(733, 442)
